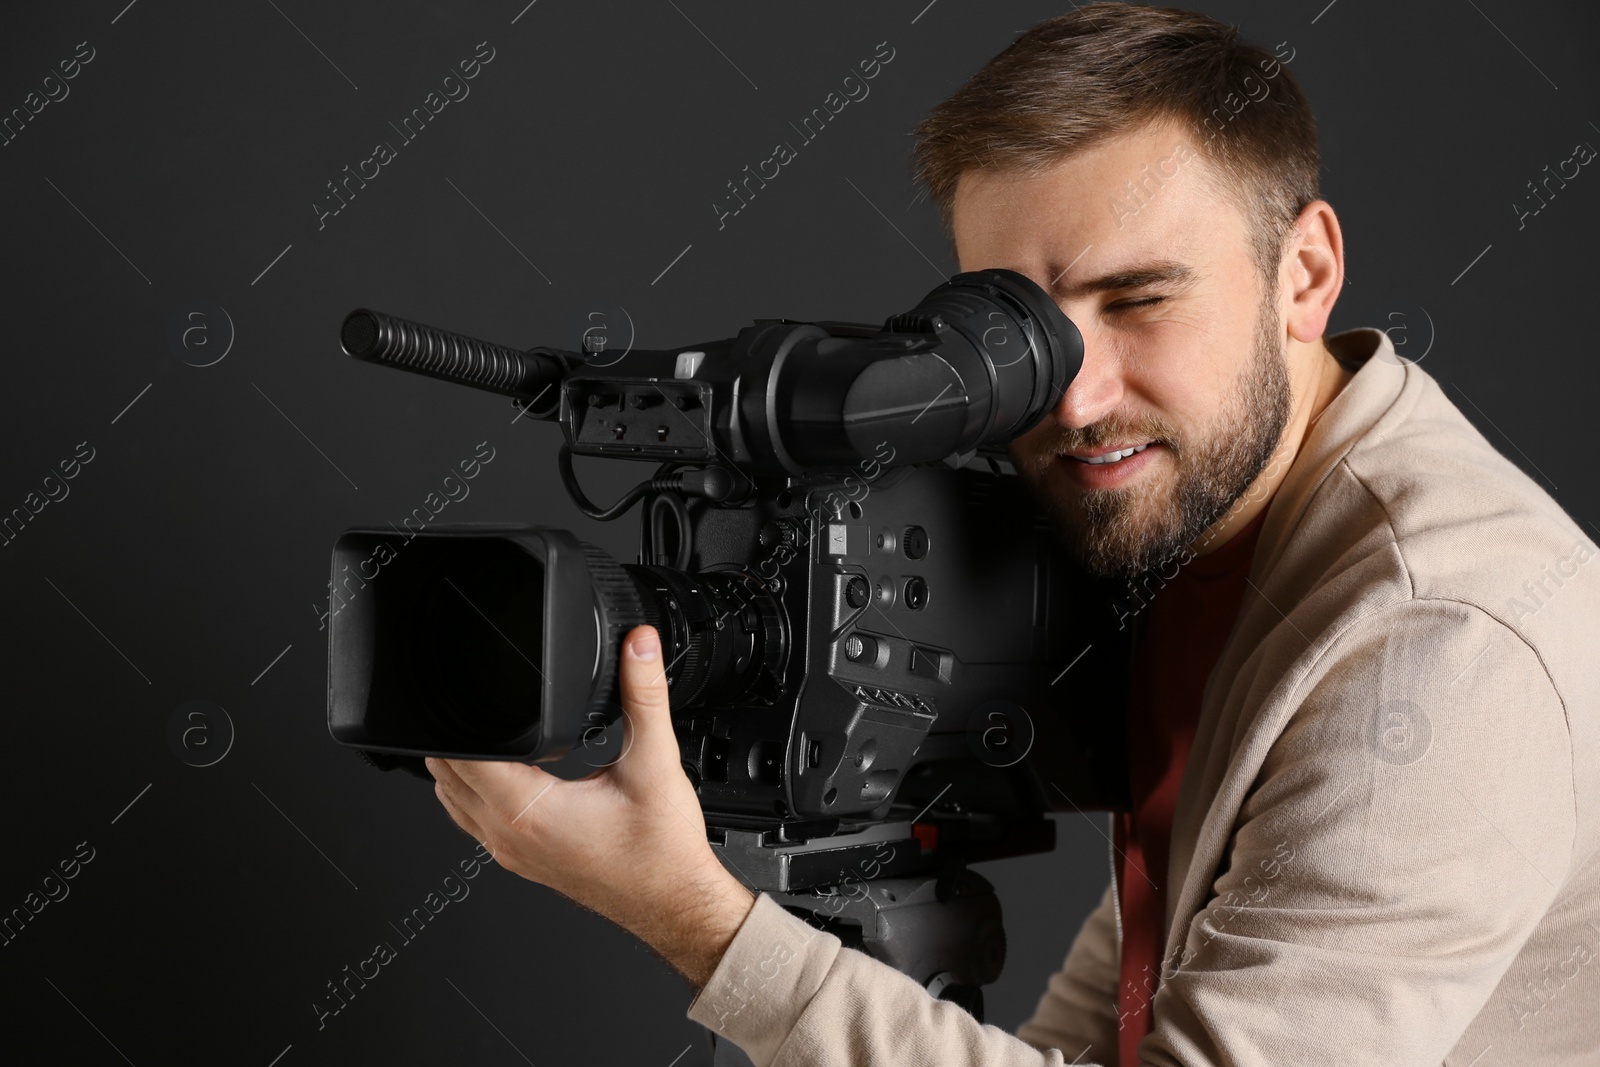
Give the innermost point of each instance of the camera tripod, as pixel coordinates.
(884, 892)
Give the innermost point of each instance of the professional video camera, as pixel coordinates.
(865, 619)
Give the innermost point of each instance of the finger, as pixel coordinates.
(453, 792)
(648, 740)
(503, 786)
(445, 773)
(458, 815)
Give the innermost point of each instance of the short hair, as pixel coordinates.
(1075, 80)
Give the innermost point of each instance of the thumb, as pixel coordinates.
(648, 742)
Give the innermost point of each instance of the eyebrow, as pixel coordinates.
(1135, 277)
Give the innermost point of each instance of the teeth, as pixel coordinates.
(1113, 457)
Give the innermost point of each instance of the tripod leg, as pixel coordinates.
(945, 931)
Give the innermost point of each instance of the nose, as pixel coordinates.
(1095, 391)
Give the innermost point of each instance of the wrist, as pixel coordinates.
(695, 943)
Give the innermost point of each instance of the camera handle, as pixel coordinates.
(943, 930)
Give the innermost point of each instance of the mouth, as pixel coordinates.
(1110, 468)
(1114, 455)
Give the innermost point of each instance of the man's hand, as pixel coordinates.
(628, 841)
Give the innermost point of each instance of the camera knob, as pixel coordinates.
(780, 533)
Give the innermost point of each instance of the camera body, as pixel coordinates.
(875, 650)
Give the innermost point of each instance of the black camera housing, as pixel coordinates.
(930, 622)
(865, 617)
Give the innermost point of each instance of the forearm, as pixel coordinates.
(693, 937)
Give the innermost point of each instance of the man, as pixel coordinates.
(1365, 736)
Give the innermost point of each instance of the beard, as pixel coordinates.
(1127, 531)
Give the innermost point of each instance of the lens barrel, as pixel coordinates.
(722, 632)
(495, 642)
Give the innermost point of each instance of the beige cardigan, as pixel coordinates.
(1386, 848)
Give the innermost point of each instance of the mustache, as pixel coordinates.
(1100, 434)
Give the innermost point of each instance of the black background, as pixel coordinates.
(193, 549)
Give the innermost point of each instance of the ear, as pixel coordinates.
(1313, 271)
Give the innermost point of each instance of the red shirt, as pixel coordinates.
(1182, 628)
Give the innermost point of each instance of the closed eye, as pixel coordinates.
(1124, 305)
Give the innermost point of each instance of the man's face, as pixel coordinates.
(1184, 355)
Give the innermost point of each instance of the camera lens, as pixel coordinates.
(723, 633)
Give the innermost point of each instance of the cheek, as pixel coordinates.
(1162, 370)
(1185, 370)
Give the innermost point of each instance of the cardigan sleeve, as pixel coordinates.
(790, 994)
